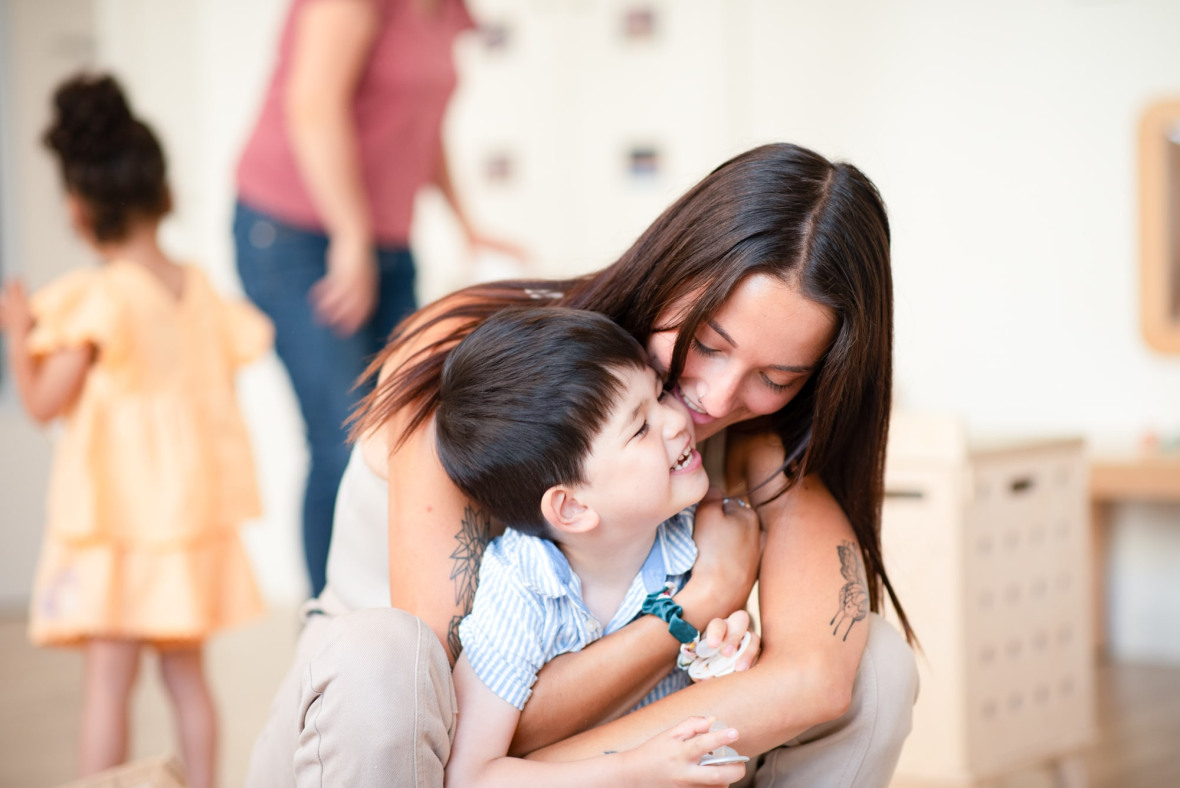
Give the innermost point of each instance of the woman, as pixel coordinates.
(765, 296)
(350, 130)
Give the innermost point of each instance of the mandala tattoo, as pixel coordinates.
(473, 536)
(854, 596)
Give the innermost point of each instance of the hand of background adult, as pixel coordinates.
(347, 295)
(478, 242)
(729, 548)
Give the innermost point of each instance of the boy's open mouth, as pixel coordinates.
(684, 459)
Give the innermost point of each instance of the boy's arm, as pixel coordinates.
(47, 386)
(486, 724)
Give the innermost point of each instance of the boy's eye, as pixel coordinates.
(703, 349)
(642, 430)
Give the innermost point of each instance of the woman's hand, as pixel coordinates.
(729, 547)
(347, 295)
(672, 758)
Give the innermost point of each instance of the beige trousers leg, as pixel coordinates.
(368, 702)
(861, 747)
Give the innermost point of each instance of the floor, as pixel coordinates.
(1138, 711)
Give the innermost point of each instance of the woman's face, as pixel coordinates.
(751, 358)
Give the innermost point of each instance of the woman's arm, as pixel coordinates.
(805, 673)
(485, 723)
(47, 386)
(329, 56)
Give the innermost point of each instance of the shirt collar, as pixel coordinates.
(545, 569)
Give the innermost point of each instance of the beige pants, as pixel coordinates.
(369, 704)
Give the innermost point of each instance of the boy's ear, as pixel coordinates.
(561, 507)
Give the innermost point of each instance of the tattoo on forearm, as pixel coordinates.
(854, 596)
(473, 536)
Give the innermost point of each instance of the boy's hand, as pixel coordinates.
(726, 645)
(672, 758)
(724, 635)
(16, 319)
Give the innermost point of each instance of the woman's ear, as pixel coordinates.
(568, 515)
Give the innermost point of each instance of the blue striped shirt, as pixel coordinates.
(528, 607)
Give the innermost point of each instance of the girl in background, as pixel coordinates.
(153, 474)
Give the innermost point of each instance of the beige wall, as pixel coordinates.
(39, 43)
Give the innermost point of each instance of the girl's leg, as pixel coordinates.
(196, 718)
(110, 672)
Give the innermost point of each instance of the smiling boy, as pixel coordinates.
(553, 421)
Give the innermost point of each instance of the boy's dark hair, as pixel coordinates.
(109, 158)
(521, 400)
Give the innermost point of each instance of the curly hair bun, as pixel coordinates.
(92, 120)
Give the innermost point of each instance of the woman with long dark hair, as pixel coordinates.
(764, 295)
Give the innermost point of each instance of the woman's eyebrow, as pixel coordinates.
(781, 367)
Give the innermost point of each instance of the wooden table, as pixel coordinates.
(1148, 478)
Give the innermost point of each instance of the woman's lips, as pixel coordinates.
(697, 415)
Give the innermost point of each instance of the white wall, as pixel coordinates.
(41, 42)
(1001, 134)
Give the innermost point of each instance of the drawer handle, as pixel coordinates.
(1023, 484)
(912, 495)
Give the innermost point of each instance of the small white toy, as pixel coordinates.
(704, 662)
(722, 754)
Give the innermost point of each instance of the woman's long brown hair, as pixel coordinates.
(779, 210)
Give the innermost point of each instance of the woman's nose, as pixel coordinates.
(719, 392)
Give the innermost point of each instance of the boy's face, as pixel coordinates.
(643, 466)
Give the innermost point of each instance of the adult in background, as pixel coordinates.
(350, 130)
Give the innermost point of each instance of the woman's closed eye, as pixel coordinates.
(777, 388)
(703, 349)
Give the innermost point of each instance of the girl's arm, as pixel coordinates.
(331, 50)
(485, 725)
(47, 386)
(805, 673)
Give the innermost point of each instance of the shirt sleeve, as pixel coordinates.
(504, 636)
(74, 311)
(248, 332)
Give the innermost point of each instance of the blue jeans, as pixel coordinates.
(278, 264)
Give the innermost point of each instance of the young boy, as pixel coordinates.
(552, 420)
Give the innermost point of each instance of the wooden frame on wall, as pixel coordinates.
(1159, 225)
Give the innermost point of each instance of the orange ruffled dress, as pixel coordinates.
(153, 475)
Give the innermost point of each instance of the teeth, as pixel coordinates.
(690, 405)
(683, 459)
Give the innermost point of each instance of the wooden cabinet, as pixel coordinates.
(988, 546)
